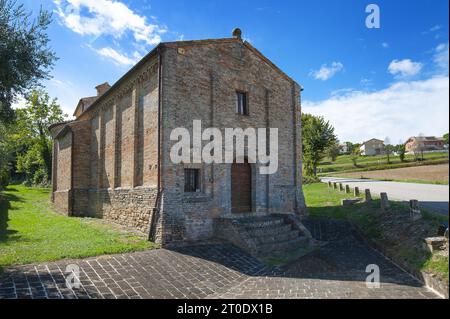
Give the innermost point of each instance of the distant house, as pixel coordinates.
(424, 144)
(372, 147)
(343, 149)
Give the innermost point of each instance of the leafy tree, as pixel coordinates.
(350, 147)
(4, 156)
(401, 151)
(317, 136)
(32, 124)
(25, 57)
(355, 155)
(446, 138)
(333, 151)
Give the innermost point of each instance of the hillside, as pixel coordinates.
(344, 164)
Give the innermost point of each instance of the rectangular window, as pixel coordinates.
(241, 103)
(191, 180)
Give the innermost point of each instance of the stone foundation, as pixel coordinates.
(128, 207)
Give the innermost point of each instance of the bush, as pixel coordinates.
(310, 180)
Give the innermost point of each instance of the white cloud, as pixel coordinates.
(440, 57)
(107, 17)
(404, 68)
(435, 28)
(385, 45)
(327, 72)
(118, 58)
(399, 111)
(366, 82)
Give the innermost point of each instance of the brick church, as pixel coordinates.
(113, 160)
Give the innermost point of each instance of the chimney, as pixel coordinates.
(102, 88)
(237, 33)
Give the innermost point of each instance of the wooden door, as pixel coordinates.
(241, 188)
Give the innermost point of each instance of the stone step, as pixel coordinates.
(276, 238)
(270, 230)
(260, 222)
(277, 247)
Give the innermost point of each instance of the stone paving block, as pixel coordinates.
(337, 270)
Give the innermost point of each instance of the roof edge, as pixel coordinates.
(182, 43)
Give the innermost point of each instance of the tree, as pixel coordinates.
(419, 147)
(25, 57)
(445, 138)
(355, 155)
(401, 151)
(4, 156)
(350, 147)
(317, 136)
(32, 124)
(333, 151)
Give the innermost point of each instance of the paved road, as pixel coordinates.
(432, 197)
(335, 270)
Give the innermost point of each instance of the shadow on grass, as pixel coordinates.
(5, 206)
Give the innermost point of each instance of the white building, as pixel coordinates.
(372, 147)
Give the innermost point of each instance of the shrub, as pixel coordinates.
(310, 179)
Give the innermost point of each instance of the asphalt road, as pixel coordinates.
(431, 197)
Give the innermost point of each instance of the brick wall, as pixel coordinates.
(200, 82)
(114, 149)
(116, 165)
(63, 177)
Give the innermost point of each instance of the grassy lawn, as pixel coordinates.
(393, 230)
(31, 232)
(343, 163)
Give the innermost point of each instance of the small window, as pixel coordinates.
(241, 103)
(191, 180)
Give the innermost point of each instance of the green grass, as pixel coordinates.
(437, 264)
(325, 202)
(344, 164)
(414, 181)
(31, 232)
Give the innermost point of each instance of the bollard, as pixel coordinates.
(347, 189)
(356, 191)
(384, 202)
(341, 187)
(368, 197)
(414, 210)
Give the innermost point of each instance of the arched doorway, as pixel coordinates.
(241, 187)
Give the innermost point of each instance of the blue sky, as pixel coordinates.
(391, 81)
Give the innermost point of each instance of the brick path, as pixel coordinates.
(337, 270)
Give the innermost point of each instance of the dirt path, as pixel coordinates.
(431, 173)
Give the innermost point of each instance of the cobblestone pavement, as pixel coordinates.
(336, 270)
